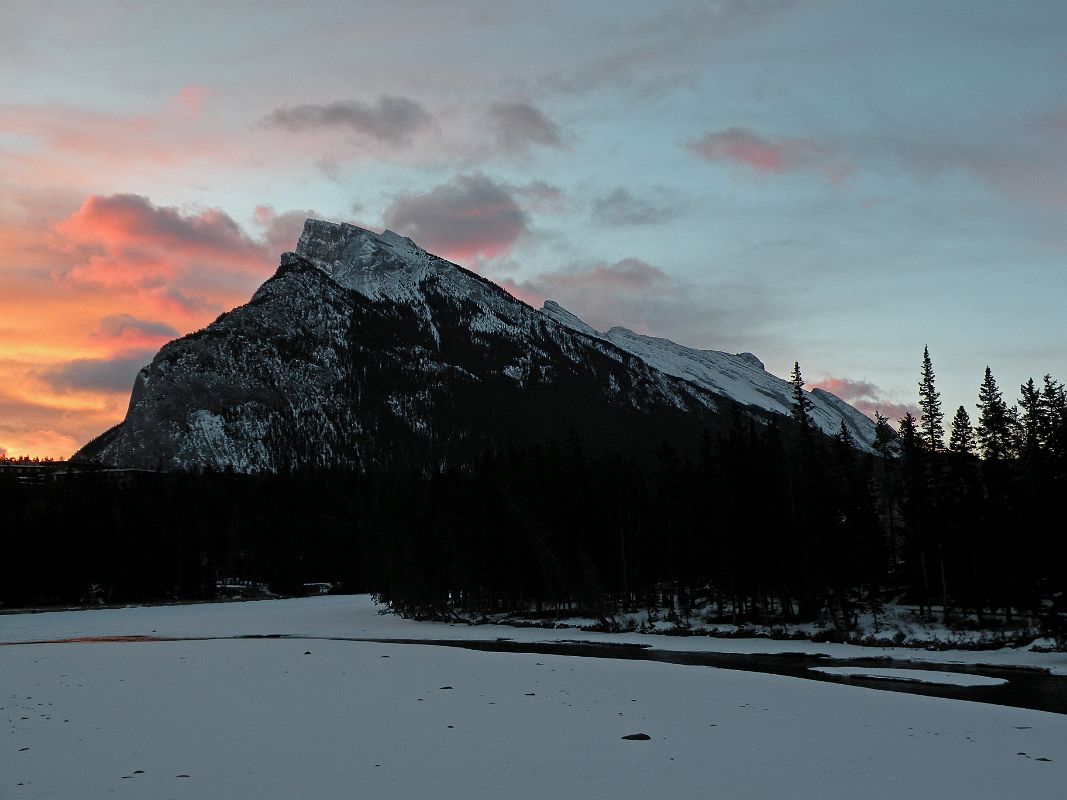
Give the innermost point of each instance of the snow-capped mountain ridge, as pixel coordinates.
(391, 267)
(363, 348)
(740, 376)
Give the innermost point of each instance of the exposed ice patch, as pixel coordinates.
(913, 676)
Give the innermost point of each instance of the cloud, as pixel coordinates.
(70, 145)
(172, 259)
(118, 325)
(749, 149)
(866, 396)
(660, 50)
(190, 100)
(93, 286)
(620, 207)
(281, 231)
(729, 315)
(125, 331)
(519, 126)
(121, 218)
(114, 374)
(469, 217)
(540, 197)
(604, 295)
(1019, 157)
(392, 120)
(39, 444)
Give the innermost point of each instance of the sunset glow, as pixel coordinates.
(835, 183)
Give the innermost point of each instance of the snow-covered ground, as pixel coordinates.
(329, 719)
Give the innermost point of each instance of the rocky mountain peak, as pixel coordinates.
(364, 348)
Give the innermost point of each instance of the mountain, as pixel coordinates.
(365, 349)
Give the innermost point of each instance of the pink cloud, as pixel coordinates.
(125, 240)
(867, 397)
(749, 149)
(189, 102)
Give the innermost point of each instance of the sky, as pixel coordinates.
(834, 182)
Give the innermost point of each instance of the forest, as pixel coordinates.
(762, 521)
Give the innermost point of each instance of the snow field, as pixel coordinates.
(327, 719)
(266, 718)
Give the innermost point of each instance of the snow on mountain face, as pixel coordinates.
(741, 376)
(391, 267)
(363, 348)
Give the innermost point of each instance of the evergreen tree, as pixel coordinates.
(931, 423)
(993, 432)
(844, 438)
(802, 404)
(883, 435)
(1054, 418)
(909, 434)
(1031, 421)
(961, 439)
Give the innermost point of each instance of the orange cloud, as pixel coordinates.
(89, 292)
(41, 444)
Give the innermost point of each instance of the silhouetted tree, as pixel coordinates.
(931, 423)
(961, 438)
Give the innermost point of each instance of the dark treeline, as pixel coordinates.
(762, 522)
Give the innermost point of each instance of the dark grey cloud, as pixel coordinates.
(280, 231)
(725, 315)
(114, 374)
(392, 120)
(471, 216)
(621, 207)
(602, 294)
(519, 126)
(119, 325)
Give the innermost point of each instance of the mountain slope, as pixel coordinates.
(365, 349)
(741, 376)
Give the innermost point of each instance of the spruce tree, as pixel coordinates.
(961, 439)
(844, 437)
(908, 431)
(802, 404)
(993, 432)
(1054, 417)
(883, 435)
(932, 421)
(1031, 420)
